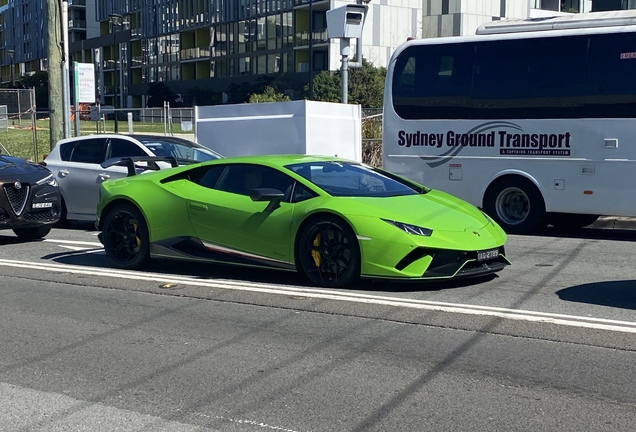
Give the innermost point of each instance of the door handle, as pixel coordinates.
(197, 206)
(103, 176)
(64, 173)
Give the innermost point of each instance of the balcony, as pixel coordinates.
(302, 38)
(137, 61)
(74, 24)
(194, 53)
(109, 64)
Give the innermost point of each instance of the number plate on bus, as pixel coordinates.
(487, 254)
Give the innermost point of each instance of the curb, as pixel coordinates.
(614, 222)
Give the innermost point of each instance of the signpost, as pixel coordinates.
(84, 74)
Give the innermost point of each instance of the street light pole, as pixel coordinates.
(115, 20)
(11, 54)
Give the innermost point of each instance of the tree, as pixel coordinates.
(327, 87)
(39, 81)
(269, 95)
(159, 93)
(366, 86)
(202, 96)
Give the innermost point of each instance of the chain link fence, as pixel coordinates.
(107, 119)
(18, 123)
(372, 136)
(25, 132)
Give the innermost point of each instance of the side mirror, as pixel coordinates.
(274, 196)
(266, 194)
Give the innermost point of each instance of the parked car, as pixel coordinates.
(76, 164)
(330, 219)
(30, 202)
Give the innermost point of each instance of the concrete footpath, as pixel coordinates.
(615, 222)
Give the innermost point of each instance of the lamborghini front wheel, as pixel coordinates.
(328, 253)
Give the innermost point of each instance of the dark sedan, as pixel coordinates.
(30, 199)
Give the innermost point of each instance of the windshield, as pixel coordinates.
(354, 180)
(184, 151)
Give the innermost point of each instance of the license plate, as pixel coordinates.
(42, 205)
(487, 254)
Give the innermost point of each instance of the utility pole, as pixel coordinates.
(54, 54)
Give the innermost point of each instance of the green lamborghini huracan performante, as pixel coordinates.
(330, 219)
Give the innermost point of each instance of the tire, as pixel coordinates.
(125, 237)
(32, 233)
(327, 252)
(570, 221)
(63, 222)
(516, 205)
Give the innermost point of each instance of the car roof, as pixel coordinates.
(137, 137)
(280, 160)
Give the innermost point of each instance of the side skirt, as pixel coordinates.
(193, 249)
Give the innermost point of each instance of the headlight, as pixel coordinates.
(410, 229)
(49, 180)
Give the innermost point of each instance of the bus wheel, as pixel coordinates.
(516, 204)
(569, 221)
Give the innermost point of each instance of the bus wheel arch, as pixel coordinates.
(516, 203)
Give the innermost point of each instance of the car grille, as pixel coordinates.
(45, 214)
(17, 197)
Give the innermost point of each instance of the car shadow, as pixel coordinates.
(10, 239)
(616, 294)
(76, 226)
(589, 233)
(95, 257)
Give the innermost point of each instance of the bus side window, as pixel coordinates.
(612, 70)
(404, 85)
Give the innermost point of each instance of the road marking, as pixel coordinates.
(513, 314)
(39, 410)
(74, 242)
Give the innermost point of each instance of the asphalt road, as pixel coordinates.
(547, 345)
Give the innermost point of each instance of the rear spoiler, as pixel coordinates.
(130, 162)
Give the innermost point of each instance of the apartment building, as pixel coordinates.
(214, 43)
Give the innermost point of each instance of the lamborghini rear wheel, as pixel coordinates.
(328, 253)
(125, 237)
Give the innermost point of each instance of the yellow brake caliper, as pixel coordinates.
(315, 254)
(137, 239)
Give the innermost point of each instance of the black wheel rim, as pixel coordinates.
(326, 253)
(122, 240)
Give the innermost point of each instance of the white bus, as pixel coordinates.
(534, 121)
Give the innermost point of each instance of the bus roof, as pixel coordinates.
(562, 22)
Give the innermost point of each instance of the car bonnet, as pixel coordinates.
(434, 210)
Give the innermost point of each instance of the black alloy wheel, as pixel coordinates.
(125, 237)
(328, 253)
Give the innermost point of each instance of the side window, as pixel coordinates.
(433, 81)
(530, 78)
(207, 176)
(302, 193)
(66, 150)
(121, 148)
(89, 151)
(612, 71)
(242, 178)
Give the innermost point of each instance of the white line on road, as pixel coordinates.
(521, 315)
